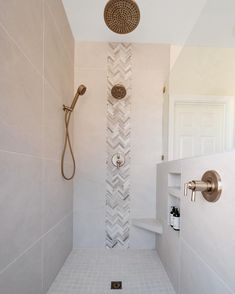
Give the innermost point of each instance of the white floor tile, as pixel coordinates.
(91, 272)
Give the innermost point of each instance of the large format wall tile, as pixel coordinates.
(57, 245)
(89, 221)
(57, 195)
(89, 228)
(212, 239)
(91, 55)
(201, 258)
(89, 129)
(24, 276)
(58, 66)
(20, 204)
(21, 103)
(197, 277)
(143, 186)
(151, 57)
(53, 124)
(24, 22)
(57, 9)
(33, 195)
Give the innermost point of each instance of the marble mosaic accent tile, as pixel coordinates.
(118, 141)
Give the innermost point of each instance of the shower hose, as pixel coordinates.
(67, 142)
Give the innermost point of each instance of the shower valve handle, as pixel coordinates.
(193, 187)
(210, 187)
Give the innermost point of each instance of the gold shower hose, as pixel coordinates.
(67, 142)
(68, 111)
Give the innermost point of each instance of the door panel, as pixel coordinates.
(199, 129)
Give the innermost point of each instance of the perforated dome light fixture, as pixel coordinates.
(122, 16)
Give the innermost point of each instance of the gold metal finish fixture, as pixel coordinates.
(118, 160)
(118, 91)
(210, 186)
(122, 16)
(68, 111)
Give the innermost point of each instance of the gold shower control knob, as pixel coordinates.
(118, 91)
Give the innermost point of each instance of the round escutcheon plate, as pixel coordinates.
(214, 194)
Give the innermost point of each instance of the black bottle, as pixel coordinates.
(176, 220)
(172, 216)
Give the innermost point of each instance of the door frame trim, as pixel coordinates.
(227, 101)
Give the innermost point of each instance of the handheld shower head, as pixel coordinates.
(80, 91)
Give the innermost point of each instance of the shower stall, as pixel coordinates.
(86, 197)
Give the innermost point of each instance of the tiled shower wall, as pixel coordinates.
(149, 70)
(36, 78)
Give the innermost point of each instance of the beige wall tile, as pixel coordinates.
(57, 9)
(24, 276)
(151, 57)
(57, 195)
(92, 218)
(90, 125)
(59, 69)
(91, 55)
(20, 204)
(53, 124)
(24, 22)
(21, 103)
(32, 122)
(147, 86)
(56, 247)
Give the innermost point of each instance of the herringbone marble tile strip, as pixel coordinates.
(118, 141)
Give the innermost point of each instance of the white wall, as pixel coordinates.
(203, 71)
(36, 78)
(150, 68)
(199, 71)
(199, 259)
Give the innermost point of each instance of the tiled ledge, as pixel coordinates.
(149, 224)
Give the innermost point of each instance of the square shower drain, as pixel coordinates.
(116, 285)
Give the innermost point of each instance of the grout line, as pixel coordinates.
(21, 153)
(19, 48)
(207, 265)
(41, 74)
(58, 30)
(43, 144)
(93, 68)
(35, 242)
(53, 88)
(32, 156)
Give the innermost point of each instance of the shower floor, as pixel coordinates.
(91, 272)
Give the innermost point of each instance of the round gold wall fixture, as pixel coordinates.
(122, 16)
(118, 91)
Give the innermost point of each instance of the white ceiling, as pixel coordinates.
(201, 22)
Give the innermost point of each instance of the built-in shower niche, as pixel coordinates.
(174, 192)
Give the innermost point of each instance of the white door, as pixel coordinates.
(199, 125)
(199, 129)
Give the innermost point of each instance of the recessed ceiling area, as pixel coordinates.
(196, 22)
